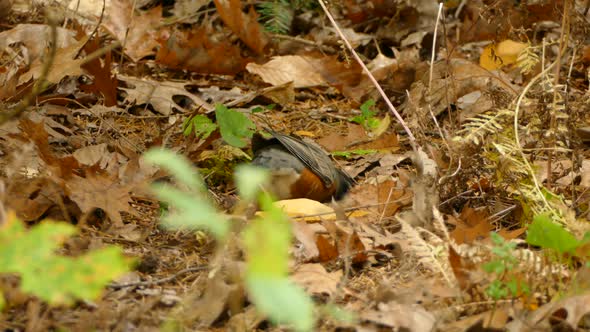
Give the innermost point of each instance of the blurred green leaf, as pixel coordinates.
(248, 180)
(267, 241)
(190, 211)
(188, 208)
(66, 279)
(283, 301)
(496, 267)
(21, 249)
(339, 314)
(178, 166)
(546, 234)
(52, 278)
(235, 127)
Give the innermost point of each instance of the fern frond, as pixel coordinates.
(277, 15)
(528, 59)
(431, 256)
(477, 128)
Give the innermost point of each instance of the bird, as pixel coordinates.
(299, 168)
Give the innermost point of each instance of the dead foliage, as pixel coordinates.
(500, 118)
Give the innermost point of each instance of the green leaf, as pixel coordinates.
(267, 240)
(259, 109)
(358, 152)
(201, 125)
(52, 278)
(495, 266)
(545, 233)
(497, 290)
(249, 179)
(235, 127)
(358, 119)
(366, 108)
(372, 123)
(187, 127)
(367, 117)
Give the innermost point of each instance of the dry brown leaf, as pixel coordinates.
(246, 26)
(138, 34)
(105, 81)
(473, 225)
(316, 280)
(460, 268)
(186, 9)
(452, 80)
(306, 235)
(62, 167)
(92, 154)
(198, 51)
(31, 198)
(101, 191)
(131, 232)
(493, 320)
(5, 8)
(159, 94)
(214, 301)
(585, 174)
(392, 198)
(380, 239)
(348, 243)
(327, 250)
(64, 65)
(569, 310)
(337, 142)
(245, 321)
(36, 38)
(401, 317)
(307, 71)
(301, 70)
(381, 67)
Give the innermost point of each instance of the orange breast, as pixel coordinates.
(309, 185)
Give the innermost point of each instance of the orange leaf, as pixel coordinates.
(194, 51)
(245, 26)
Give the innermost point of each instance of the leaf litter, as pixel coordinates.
(406, 249)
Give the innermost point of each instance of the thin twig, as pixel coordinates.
(94, 31)
(159, 281)
(371, 77)
(433, 56)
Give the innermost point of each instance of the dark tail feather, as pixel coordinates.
(345, 182)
